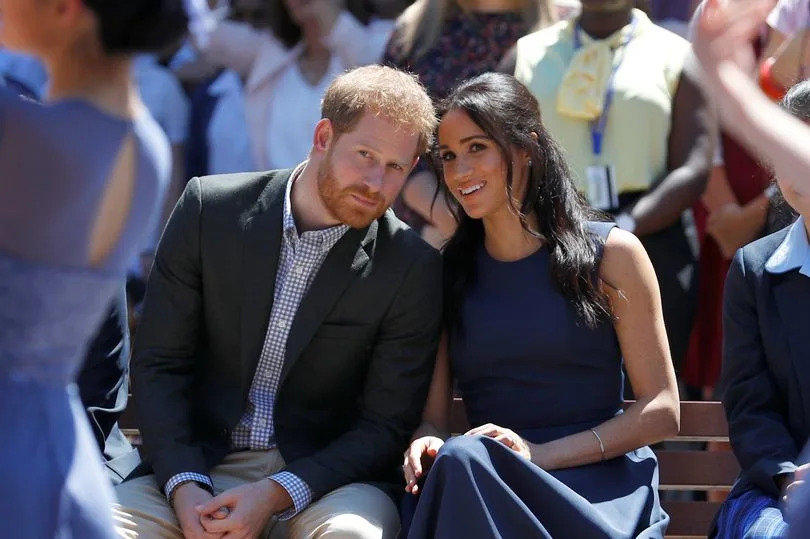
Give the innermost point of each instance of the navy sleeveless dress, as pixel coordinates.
(55, 163)
(523, 361)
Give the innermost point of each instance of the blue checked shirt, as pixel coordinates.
(299, 260)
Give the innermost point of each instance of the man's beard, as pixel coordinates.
(340, 203)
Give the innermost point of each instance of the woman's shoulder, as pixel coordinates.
(623, 256)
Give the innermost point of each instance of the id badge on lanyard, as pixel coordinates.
(601, 188)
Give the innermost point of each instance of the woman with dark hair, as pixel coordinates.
(81, 180)
(542, 302)
(426, 42)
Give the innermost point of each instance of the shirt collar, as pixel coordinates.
(793, 253)
(327, 237)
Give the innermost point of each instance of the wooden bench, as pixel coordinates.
(680, 469)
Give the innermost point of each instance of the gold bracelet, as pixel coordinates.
(601, 445)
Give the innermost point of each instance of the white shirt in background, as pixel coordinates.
(271, 89)
(294, 111)
(790, 16)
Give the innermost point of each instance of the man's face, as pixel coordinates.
(361, 172)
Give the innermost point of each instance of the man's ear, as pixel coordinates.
(413, 165)
(324, 136)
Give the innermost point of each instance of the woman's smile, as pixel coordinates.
(470, 190)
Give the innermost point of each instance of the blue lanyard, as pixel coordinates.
(598, 126)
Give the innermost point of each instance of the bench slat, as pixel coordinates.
(697, 470)
(703, 421)
(689, 519)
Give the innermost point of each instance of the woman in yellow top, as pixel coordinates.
(614, 91)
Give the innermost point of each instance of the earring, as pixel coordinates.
(530, 162)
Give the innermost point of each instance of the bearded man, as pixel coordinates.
(289, 334)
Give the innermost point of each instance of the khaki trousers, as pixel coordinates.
(353, 511)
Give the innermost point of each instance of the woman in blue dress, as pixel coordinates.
(543, 305)
(81, 180)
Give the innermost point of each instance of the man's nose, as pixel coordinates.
(374, 179)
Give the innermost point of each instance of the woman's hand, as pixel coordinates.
(418, 458)
(507, 437)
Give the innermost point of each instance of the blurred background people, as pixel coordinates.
(287, 66)
(786, 59)
(734, 210)
(83, 179)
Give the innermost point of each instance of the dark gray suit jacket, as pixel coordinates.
(766, 365)
(359, 355)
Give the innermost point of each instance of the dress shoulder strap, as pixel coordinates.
(600, 231)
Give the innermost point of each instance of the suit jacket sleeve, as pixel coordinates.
(395, 390)
(164, 354)
(759, 436)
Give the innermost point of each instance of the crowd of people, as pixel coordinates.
(587, 208)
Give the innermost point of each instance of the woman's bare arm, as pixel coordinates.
(639, 324)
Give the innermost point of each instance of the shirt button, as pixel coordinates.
(282, 323)
(261, 422)
(299, 270)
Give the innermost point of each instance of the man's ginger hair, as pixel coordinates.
(397, 96)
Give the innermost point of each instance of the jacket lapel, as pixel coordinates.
(261, 245)
(349, 258)
(792, 294)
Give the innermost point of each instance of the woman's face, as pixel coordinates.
(474, 169)
(302, 11)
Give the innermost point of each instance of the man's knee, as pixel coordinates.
(352, 526)
(143, 511)
(354, 511)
